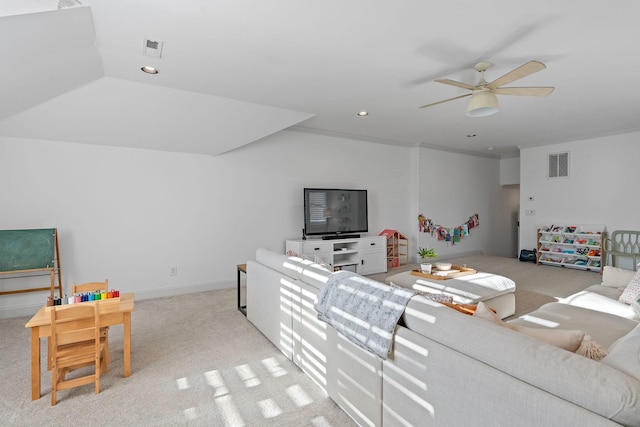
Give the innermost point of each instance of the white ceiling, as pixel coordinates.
(235, 71)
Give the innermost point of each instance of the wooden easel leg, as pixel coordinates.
(53, 283)
(57, 266)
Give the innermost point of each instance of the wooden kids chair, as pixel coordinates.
(75, 343)
(104, 331)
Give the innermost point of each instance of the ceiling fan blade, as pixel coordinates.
(456, 84)
(446, 100)
(520, 72)
(524, 91)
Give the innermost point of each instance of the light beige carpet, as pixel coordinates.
(197, 361)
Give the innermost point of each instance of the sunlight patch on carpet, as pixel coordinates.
(214, 379)
(274, 367)
(269, 408)
(249, 378)
(299, 397)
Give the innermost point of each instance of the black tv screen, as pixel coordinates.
(334, 211)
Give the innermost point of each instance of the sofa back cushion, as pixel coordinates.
(624, 354)
(278, 262)
(313, 274)
(299, 268)
(615, 277)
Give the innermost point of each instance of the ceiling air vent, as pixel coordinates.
(558, 165)
(152, 48)
(62, 4)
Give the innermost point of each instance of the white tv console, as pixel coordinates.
(364, 255)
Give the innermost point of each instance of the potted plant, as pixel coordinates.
(424, 254)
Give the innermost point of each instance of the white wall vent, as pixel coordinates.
(152, 48)
(558, 165)
(62, 4)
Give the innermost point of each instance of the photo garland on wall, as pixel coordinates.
(451, 235)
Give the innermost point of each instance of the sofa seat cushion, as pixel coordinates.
(601, 298)
(604, 328)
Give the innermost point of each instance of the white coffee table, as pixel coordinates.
(495, 291)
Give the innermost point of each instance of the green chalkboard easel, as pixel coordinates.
(30, 251)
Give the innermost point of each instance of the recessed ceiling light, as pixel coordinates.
(363, 113)
(149, 70)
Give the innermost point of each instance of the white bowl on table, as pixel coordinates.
(443, 266)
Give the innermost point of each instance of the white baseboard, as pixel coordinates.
(31, 309)
(459, 255)
(19, 311)
(183, 290)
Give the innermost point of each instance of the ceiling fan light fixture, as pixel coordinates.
(482, 103)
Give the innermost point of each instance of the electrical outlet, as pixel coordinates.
(530, 212)
(173, 270)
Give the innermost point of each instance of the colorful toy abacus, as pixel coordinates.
(83, 297)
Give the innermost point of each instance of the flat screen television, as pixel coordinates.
(335, 213)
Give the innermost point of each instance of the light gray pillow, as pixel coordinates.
(632, 292)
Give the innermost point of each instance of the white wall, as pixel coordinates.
(504, 241)
(510, 171)
(452, 187)
(129, 215)
(602, 187)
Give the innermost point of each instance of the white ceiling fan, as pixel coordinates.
(484, 101)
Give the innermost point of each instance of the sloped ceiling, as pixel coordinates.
(45, 55)
(57, 90)
(232, 72)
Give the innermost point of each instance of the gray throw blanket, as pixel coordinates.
(363, 310)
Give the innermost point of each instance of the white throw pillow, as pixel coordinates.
(632, 292)
(624, 354)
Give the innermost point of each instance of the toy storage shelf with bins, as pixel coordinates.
(571, 246)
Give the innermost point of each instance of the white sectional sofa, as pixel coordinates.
(447, 368)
